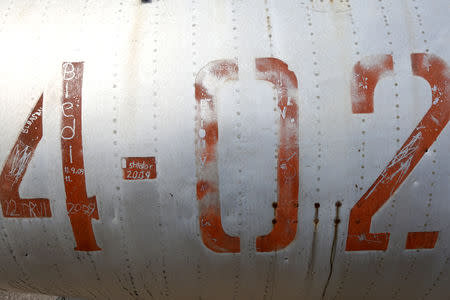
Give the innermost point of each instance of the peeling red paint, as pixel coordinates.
(213, 235)
(286, 213)
(201, 93)
(285, 82)
(366, 74)
(204, 188)
(81, 208)
(15, 167)
(208, 80)
(436, 72)
(421, 240)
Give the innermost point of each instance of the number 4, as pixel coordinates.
(72, 155)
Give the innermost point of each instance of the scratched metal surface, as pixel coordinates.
(140, 66)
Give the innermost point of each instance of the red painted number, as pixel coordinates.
(81, 208)
(436, 72)
(15, 167)
(208, 80)
(286, 213)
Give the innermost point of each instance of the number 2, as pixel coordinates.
(435, 71)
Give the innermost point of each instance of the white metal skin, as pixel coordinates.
(253, 123)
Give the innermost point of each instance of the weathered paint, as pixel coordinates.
(208, 81)
(15, 167)
(80, 208)
(286, 211)
(224, 217)
(436, 72)
(366, 74)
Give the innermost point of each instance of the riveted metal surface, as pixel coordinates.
(218, 149)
